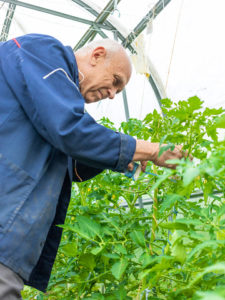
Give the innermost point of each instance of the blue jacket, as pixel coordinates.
(43, 131)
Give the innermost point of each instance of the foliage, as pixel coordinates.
(171, 249)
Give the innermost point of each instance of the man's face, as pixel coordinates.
(106, 76)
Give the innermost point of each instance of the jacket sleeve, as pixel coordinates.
(53, 103)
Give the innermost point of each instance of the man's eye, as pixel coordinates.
(116, 82)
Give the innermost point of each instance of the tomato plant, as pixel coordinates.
(174, 246)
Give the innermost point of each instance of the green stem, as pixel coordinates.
(175, 280)
(93, 278)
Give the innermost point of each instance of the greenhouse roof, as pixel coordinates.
(176, 45)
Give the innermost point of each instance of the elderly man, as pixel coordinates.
(48, 141)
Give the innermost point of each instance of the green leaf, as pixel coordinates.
(179, 252)
(216, 268)
(111, 255)
(79, 231)
(174, 225)
(143, 274)
(169, 201)
(121, 249)
(161, 178)
(190, 173)
(209, 296)
(165, 148)
(96, 250)
(95, 296)
(220, 122)
(213, 244)
(87, 260)
(194, 222)
(89, 226)
(195, 103)
(138, 237)
(119, 294)
(70, 249)
(119, 268)
(212, 111)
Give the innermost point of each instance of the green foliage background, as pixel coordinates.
(172, 249)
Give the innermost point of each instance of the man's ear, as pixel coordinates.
(97, 55)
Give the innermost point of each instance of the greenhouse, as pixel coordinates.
(112, 150)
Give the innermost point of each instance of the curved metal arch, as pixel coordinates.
(126, 42)
(56, 13)
(100, 19)
(95, 10)
(7, 22)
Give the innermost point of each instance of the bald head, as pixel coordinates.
(111, 46)
(106, 68)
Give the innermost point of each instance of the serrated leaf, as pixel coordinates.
(79, 231)
(138, 237)
(216, 268)
(143, 274)
(169, 201)
(213, 244)
(220, 122)
(194, 103)
(89, 226)
(119, 268)
(165, 148)
(119, 294)
(212, 111)
(161, 178)
(121, 249)
(96, 250)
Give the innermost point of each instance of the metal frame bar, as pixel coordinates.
(156, 90)
(158, 7)
(57, 13)
(96, 26)
(90, 34)
(125, 104)
(90, 9)
(7, 22)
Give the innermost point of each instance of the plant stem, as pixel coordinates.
(175, 280)
(93, 278)
(154, 215)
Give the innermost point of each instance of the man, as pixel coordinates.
(47, 141)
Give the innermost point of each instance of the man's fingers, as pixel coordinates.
(143, 165)
(130, 167)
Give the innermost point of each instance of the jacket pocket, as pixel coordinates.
(15, 187)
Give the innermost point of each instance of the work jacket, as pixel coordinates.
(44, 132)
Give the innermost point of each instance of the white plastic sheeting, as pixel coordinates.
(185, 43)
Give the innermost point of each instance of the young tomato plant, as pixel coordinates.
(174, 246)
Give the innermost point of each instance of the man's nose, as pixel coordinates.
(112, 93)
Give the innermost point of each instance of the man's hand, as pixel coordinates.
(146, 151)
